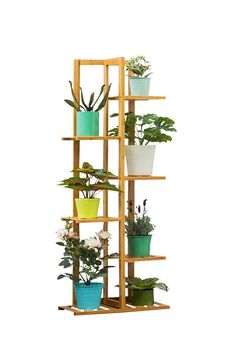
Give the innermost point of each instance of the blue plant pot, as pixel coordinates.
(88, 297)
(139, 86)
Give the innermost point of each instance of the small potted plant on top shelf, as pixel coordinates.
(140, 131)
(139, 83)
(142, 290)
(138, 229)
(94, 181)
(86, 257)
(87, 122)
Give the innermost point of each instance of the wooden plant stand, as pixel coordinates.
(122, 302)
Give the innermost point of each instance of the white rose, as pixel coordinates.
(104, 235)
(61, 233)
(73, 234)
(92, 243)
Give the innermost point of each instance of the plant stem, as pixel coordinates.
(82, 278)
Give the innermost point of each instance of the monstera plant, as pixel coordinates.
(141, 130)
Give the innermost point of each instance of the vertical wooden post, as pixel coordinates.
(122, 301)
(105, 167)
(131, 191)
(76, 154)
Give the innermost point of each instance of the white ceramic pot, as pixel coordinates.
(139, 159)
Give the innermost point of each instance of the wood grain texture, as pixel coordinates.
(91, 138)
(105, 167)
(131, 187)
(91, 62)
(105, 309)
(76, 156)
(138, 98)
(98, 219)
(121, 183)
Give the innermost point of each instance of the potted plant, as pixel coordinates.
(86, 257)
(87, 122)
(140, 131)
(138, 229)
(142, 290)
(93, 181)
(139, 84)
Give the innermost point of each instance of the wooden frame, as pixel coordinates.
(122, 302)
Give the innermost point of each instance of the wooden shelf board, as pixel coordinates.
(75, 138)
(98, 219)
(138, 98)
(140, 178)
(105, 309)
(140, 259)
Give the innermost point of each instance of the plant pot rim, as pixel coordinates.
(88, 198)
(138, 145)
(83, 285)
(138, 77)
(87, 111)
(139, 235)
(142, 289)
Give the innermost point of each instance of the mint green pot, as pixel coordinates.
(139, 86)
(87, 124)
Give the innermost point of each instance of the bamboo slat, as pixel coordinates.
(105, 309)
(105, 167)
(140, 259)
(76, 156)
(140, 178)
(138, 98)
(91, 62)
(131, 187)
(144, 259)
(113, 61)
(98, 219)
(91, 138)
(121, 183)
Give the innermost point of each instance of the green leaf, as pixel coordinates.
(99, 95)
(105, 186)
(91, 100)
(60, 276)
(161, 286)
(82, 99)
(72, 104)
(104, 100)
(73, 94)
(60, 243)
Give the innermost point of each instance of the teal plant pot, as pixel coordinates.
(87, 124)
(88, 297)
(139, 246)
(139, 86)
(142, 297)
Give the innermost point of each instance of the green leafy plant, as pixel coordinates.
(84, 255)
(139, 224)
(90, 106)
(138, 65)
(144, 284)
(94, 181)
(142, 130)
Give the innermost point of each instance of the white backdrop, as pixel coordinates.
(191, 45)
